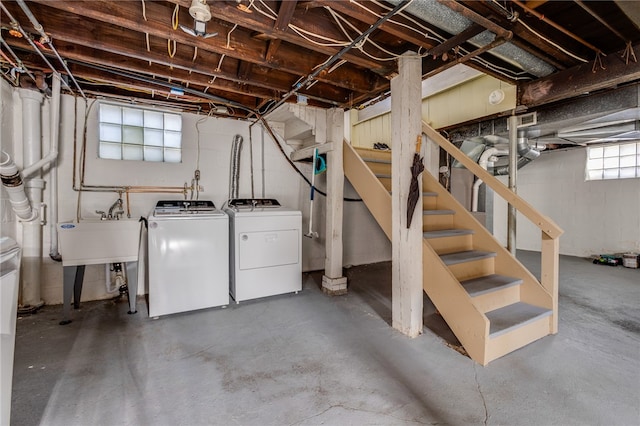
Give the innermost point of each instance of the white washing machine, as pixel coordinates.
(265, 255)
(188, 257)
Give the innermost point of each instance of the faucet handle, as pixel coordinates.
(103, 215)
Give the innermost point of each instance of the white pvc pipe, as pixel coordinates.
(12, 182)
(53, 171)
(32, 231)
(483, 162)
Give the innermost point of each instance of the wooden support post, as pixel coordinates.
(406, 126)
(549, 269)
(333, 283)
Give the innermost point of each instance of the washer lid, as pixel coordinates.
(8, 245)
(184, 207)
(250, 203)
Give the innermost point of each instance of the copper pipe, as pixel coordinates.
(128, 204)
(602, 21)
(478, 19)
(558, 27)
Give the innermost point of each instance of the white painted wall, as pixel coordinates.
(364, 241)
(597, 216)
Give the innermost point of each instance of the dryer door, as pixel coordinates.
(263, 249)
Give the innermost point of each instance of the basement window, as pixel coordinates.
(613, 161)
(128, 133)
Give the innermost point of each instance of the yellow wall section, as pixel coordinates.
(464, 102)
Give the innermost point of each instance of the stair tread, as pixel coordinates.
(489, 283)
(466, 256)
(427, 194)
(437, 212)
(510, 317)
(375, 160)
(382, 175)
(447, 233)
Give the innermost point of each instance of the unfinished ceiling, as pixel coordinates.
(252, 55)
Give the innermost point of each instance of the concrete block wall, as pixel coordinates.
(364, 241)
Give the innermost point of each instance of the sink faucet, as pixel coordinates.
(118, 213)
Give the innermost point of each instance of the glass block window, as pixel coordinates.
(613, 161)
(129, 133)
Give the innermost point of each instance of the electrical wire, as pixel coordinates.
(265, 125)
(175, 18)
(540, 36)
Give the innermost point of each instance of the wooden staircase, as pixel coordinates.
(492, 303)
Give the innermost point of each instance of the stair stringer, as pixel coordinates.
(470, 326)
(451, 299)
(375, 196)
(531, 291)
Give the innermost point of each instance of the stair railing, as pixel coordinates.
(550, 231)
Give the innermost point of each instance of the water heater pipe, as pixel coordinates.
(483, 162)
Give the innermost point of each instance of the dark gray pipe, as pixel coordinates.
(234, 171)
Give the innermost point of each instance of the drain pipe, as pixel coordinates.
(54, 116)
(32, 230)
(13, 183)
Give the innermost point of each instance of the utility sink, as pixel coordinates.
(91, 242)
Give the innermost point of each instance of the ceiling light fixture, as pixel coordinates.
(201, 14)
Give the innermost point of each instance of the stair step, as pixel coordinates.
(488, 284)
(447, 233)
(437, 212)
(427, 194)
(383, 176)
(513, 316)
(466, 256)
(375, 160)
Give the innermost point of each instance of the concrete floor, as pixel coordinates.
(311, 359)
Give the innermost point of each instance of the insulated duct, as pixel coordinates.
(234, 170)
(441, 16)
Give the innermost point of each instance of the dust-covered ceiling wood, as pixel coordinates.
(244, 57)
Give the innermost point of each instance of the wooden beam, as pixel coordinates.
(579, 80)
(258, 22)
(85, 54)
(285, 13)
(396, 27)
(472, 31)
(406, 276)
(287, 8)
(125, 16)
(333, 282)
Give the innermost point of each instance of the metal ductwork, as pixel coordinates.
(443, 17)
(525, 152)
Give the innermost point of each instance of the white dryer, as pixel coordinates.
(265, 254)
(188, 257)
